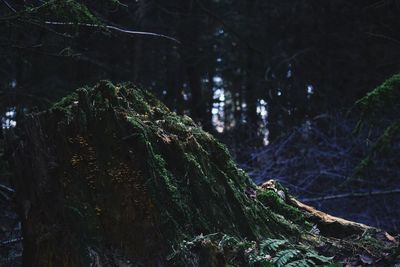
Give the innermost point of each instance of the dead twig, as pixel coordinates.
(9, 6)
(114, 28)
(382, 36)
(5, 192)
(11, 241)
(6, 189)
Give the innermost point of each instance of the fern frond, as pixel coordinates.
(284, 256)
(272, 245)
(314, 255)
(301, 263)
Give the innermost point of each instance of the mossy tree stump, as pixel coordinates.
(110, 177)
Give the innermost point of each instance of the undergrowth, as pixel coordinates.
(241, 252)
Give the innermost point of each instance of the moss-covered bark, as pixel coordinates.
(110, 177)
(380, 109)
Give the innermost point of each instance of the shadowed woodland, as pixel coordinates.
(305, 93)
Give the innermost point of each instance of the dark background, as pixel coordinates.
(276, 80)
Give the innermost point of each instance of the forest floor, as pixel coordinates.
(317, 166)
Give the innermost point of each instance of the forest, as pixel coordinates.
(200, 133)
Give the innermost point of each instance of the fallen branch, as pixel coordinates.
(331, 225)
(352, 195)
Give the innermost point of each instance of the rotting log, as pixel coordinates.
(110, 177)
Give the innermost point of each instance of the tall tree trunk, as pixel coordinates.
(190, 37)
(174, 81)
(251, 71)
(251, 90)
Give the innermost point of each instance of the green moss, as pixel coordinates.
(272, 200)
(66, 102)
(381, 100)
(382, 146)
(380, 108)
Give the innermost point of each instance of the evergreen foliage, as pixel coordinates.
(380, 109)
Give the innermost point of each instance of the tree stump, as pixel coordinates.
(110, 177)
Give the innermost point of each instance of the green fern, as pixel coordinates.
(272, 245)
(228, 241)
(314, 255)
(284, 256)
(301, 263)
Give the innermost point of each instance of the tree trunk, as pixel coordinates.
(251, 90)
(191, 56)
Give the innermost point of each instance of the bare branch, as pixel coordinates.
(114, 28)
(352, 195)
(6, 189)
(12, 241)
(9, 6)
(382, 36)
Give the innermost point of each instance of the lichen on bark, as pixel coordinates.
(110, 177)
